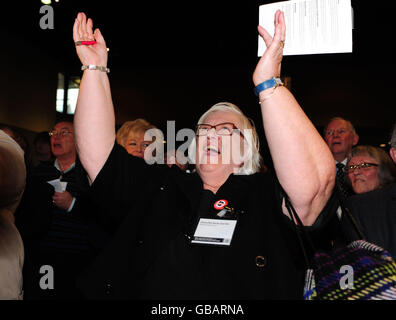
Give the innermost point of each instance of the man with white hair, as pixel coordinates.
(340, 135)
(12, 184)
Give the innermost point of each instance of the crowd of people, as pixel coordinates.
(105, 224)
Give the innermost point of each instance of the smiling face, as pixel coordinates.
(135, 144)
(363, 179)
(218, 156)
(340, 138)
(62, 145)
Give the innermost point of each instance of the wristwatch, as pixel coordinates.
(273, 82)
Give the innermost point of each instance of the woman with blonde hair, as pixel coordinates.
(131, 136)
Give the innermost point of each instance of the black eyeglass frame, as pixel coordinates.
(364, 165)
(234, 128)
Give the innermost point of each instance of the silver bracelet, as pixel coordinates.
(268, 96)
(95, 67)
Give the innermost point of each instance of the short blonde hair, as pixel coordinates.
(254, 160)
(138, 126)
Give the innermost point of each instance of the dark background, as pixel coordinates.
(172, 60)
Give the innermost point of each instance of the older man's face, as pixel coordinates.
(340, 138)
(62, 140)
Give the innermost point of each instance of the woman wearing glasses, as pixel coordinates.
(369, 168)
(373, 174)
(219, 233)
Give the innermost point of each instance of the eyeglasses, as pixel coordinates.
(363, 166)
(222, 129)
(339, 131)
(59, 133)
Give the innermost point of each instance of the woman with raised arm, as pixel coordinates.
(220, 233)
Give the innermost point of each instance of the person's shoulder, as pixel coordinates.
(44, 171)
(387, 190)
(43, 166)
(267, 178)
(258, 180)
(391, 190)
(375, 198)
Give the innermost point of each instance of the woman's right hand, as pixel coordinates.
(95, 54)
(269, 65)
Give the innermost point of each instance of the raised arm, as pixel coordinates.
(303, 163)
(94, 119)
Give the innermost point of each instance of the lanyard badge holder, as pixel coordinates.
(217, 231)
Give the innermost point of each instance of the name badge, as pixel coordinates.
(214, 231)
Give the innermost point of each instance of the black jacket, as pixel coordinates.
(375, 213)
(151, 210)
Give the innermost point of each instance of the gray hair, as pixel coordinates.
(340, 118)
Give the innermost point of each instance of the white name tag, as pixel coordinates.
(214, 231)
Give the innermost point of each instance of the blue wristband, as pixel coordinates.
(273, 82)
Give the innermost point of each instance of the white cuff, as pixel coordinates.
(72, 205)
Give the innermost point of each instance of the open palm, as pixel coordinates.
(270, 63)
(95, 54)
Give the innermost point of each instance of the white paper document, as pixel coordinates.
(312, 26)
(60, 186)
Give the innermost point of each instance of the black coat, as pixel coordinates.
(375, 213)
(53, 236)
(152, 209)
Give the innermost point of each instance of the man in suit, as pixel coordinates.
(341, 136)
(51, 219)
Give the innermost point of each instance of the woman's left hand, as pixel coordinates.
(269, 65)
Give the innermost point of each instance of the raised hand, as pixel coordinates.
(95, 54)
(270, 63)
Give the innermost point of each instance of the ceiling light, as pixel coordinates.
(46, 1)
